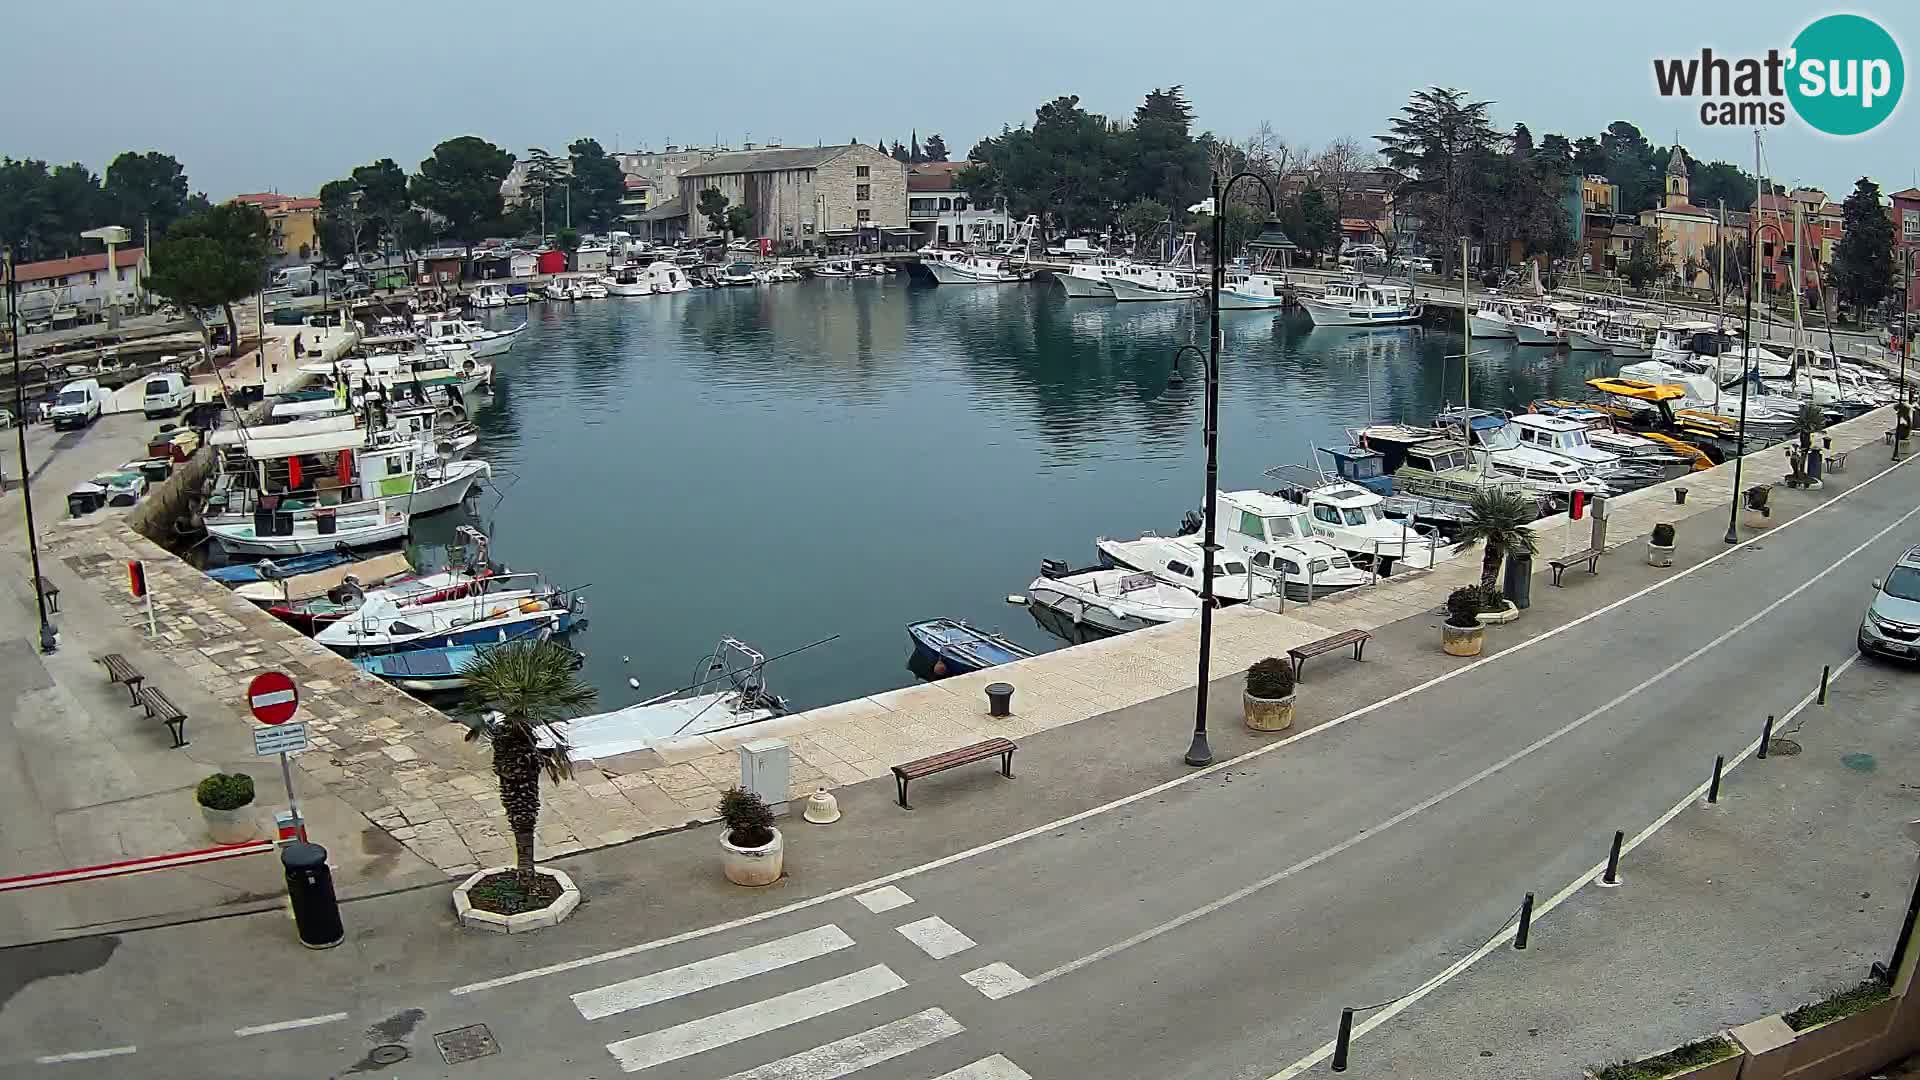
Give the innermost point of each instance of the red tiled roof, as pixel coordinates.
(916, 182)
(301, 204)
(1910, 193)
(260, 198)
(79, 264)
(1355, 223)
(272, 201)
(1684, 210)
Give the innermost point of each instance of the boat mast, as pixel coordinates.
(1798, 349)
(1720, 304)
(1466, 354)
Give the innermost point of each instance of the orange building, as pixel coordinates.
(290, 221)
(1683, 230)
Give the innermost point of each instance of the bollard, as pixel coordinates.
(999, 699)
(1612, 876)
(1766, 736)
(1340, 1041)
(1826, 673)
(1713, 789)
(1526, 922)
(316, 912)
(1679, 495)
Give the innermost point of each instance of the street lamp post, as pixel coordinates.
(1902, 409)
(1198, 752)
(49, 639)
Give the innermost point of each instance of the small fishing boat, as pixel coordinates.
(427, 671)
(945, 647)
(274, 569)
(303, 536)
(283, 588)
(1276, 537)
(1087, 279)
(1359, 303)
(978, 270)
(691, 710)
(1088, 604)
(737, 273)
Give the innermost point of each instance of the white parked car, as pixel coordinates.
(165, 394)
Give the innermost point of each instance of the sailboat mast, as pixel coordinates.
(1798, 350)
(1466, 354)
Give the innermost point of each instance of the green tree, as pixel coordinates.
(567, 239)
(1712, 182)
(1436, 138)
(1143, 219)
(1863, 261)
(713, 207)
(900, 152)
(1317, 228)
(1648, 260)
(383, 198)
(545, 173)
(1498, 518)
(146, 191)
(935, 148)
(213, 259)
(341, 221)
(739, 220)
(1242, 224)
(1064, 167)
(525, 692)
(1163, 160)
(461, 183)
(598, 185)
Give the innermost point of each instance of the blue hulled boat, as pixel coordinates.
(943, 647)
(242, 573)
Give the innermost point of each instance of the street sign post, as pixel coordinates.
(274, 698)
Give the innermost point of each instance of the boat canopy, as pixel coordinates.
(323, 443)
(298, 429)
(1639, 389)
(309, 407)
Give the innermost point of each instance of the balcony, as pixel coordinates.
(924, 213)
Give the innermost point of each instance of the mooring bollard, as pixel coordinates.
(1766, 736)
(1340, 1041)
(1679, 495)
(1612, 876)
(1526, 922)
(1713, 789)
(1826, 674)
(999, 699)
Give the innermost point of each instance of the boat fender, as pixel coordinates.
(528, 607)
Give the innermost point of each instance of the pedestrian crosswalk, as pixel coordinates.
(805, 957)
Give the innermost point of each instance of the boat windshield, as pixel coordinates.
(1355, 516)
(1500, 438)
(1280, 528)
(1233, 568)
(1904, 584)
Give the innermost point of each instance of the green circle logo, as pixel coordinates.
(1847, 75)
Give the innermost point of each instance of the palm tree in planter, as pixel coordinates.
(525, 690)
(1498, 518)
(1268, 701)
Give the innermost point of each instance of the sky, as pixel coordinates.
(283, 97)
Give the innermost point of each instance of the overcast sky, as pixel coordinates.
(252, 96)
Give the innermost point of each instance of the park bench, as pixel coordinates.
(49, 590)
(161, 709)
(1300, 654)
(1590, 556)
(952, 759)
(119, 671)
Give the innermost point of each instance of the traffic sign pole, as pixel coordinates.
(274, 699)
(286, 774)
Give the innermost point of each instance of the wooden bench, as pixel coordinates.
(1590, 556)
(49, 590)
(119, 671)
(951, 759)
(159, 708)
(1300, 654)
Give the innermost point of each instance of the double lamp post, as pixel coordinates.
(49, 639)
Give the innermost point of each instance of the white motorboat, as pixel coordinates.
(482, 342)
(1157, 283)
(1497, 451)
(1276, 538)
(305, 537)
(1350, 517)
(840, 268)
(734, 697)
(737, 273)
(495, 608)
(1570, 439)
(490, 295)
(627, 280)
(665, 277)
(1085, 605)
(1176, 560)
(1254, 292)
(1087, 278)
(1493, 317)
(977, 270)
(1360, 303)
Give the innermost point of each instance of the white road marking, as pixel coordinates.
(289, 1025)
(711, 972)
(855, 1052)
(936, 937)
(699, 1036)
(885, 898)
(1180, 781)
(996, 1067)
(85, 1055)
(1554, 901)
(996, 980)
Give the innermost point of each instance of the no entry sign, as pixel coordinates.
(272, 697)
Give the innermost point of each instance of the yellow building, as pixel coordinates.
(1683, 231)
(290, 222)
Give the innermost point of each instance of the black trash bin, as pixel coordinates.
(1518, 582)
(325, 522)
(316, 913)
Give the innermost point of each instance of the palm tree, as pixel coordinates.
(525, 689)
(1499, 518)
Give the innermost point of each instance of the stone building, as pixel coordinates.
(810, 197)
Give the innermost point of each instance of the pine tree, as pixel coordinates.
(1863, 261)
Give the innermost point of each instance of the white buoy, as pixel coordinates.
(635, 683)
(626, 659)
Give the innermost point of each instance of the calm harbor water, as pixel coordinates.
(787, 462)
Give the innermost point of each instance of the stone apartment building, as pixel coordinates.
(807, 197)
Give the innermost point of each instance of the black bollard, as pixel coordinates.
(1766, 736)
(1526, 922)
(1340, 1041)
(1826, 674)
(316, 913)
(1713, 789)
(1613, 860)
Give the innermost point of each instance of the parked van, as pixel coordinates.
(166, 393)
(77, 406)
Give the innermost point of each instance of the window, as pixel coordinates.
(1233, 569)
(862, 171)
(1326, 514)
(1288, 566)
(1260, 559)
(1250, 524)
(1280, 528)
(865, 215)
(1180, 568)
(1355, 517)
(395, 466)
(862, 192)
(946, 204)
(93, 277)
(1910, 226)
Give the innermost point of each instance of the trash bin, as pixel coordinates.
(324, 521)
(156, 470)
(999, 699)
(283, 523)
(85, 499)
(1517, 585)
(316, 913)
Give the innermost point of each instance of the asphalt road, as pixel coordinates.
(1211, 929)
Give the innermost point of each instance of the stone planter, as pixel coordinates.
(235, 826)
(1505, 615)
(1756, 519)
(1268, 714)
(1658, 555)
(521, 922)
(1462, 640)
(753, 866)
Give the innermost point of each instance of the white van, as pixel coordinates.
(166, 393)
(78, 404)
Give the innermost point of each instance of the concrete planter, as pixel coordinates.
(1658, 555)
(1502, 617)
(1755, 519)
(1267, 714)
(520, 923)
(753, 866)
(1727, 1068)
(235, 826)
(1462, 640)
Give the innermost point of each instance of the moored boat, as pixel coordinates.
(943, 647)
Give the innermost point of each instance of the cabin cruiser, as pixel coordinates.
(1716, 351)
(1770, 412)
(1254, 291)
(1358, 303)
(1572, 438)
(482, 342)
(490, 295)
(737, 273)
(735, 697)
(1276, 538)
(1085, 605)
(628, 280)
(1087, 279)
(969, 269)
(1494, 317)
(1671, 457)
(1349, 516)
(1497, 450)
(1430, 463)
(1176, 560)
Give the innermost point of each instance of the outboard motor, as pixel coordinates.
(1054, 568)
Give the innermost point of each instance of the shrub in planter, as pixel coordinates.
(753, 850)
(1663, 534)
(1268, 701)
(1676, 1062)
(1838, 1006)
(225, 802)
(1660, 546)
(1462, 634)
